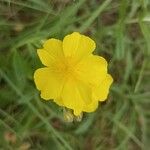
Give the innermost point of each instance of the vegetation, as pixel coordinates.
(121, 30)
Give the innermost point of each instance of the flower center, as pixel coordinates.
(65, 67)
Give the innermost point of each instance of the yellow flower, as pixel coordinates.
(73, 77)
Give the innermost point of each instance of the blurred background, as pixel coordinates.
(121, 30)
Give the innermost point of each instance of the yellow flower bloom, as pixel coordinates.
(73, 77)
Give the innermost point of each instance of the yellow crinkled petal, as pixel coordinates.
(77, 45)
(92, 69)
(101, 92)
(91, 107)
(59, 102)
(52, 50)
(54, 47)
(75, 95)
(85, 91)
(48, 83)
(45, 57)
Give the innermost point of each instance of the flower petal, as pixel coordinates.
(91, 107)
(92, 69)
(52, 50)
(53, 47)
(49, 83)
(45, 57)
(101, 92)
(59, 102)
(75, 95)
(77, 45)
